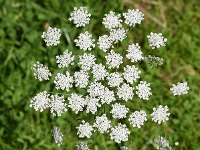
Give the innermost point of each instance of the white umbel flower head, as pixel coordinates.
(108, 96)
(86, 61)
(63, 82)
(119, 111)
(102, 123)
(134, 53)
(133, 17)
(156, 40)
(85, 41)
(160, 114)
(76, 102)
(114, 79)
(131, 74)
(104, 42)
(138, 118)
(57, 105)
(124, 148)
(113, 60)
(51, 36)
(180, 88)
(143, 90)
(92, 104)
(82, 146)
(162, 144)
(119, 133)
(96, 89)
(81, 78)
(80, 16)
(85, 130)
(57, 135)
(41, 101)
(125, 92)
(65, 60)
(41, 72)
(117, 35)
(112, 20)
(99, 72)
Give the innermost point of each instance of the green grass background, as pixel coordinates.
(21, 26)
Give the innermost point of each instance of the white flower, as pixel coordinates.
(96, 89)
(124, 148)
(41, 72)
(143, 90)
(119, 111)
(137, 118)
(82, 146)
(125, 92)
(119, 133)
(155, 61)
(134, 53)
(76, 102)
(156, 40)
(92, 104)
(131, 74)
(114, 79)
(51, 36)
(57, 105)
(84, 130)
(40, 101)
(104, 42)
(85, 41)
(133, 17)
(180, 88)
(99, 72)
(113, 60)
(102, 123)
(81, 78)
(63, 81)
(117, 35)
(57, 135)
(162, 143)
(64, 60)
(80, 16)
(112, 20)
(86, 61)
(108, 96)
(160, 114)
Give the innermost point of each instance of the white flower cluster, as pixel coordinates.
(143, 90)
(113, 59)
(134, 53)
(153, 60)
(119, 133)
(119, 111)
(41, 72)
(102, 123)
(57, 135)
(101, 84)
(162, 143)
(125, 92)
(85, 129)
(156, 40)
(51, 36)
(80, 16)
(133, 17)
(65, 60)
(40, 101)
(63, 81)
(85, 41)
(180, 88)
(138, 118)
(160, 114)
(82, 146)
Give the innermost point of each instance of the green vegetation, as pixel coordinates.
(21, 26)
